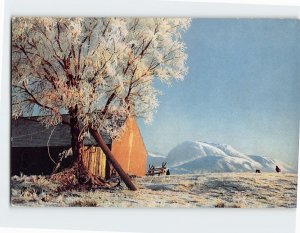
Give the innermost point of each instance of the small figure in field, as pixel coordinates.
(277, 169)
(257, 171)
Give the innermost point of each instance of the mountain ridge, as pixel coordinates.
(192, 157)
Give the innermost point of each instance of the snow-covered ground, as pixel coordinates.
(233, 190)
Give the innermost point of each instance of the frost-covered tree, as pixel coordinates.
(98, 70)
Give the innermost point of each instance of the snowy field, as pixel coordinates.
(216, 190)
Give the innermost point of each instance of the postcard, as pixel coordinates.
(154, 112)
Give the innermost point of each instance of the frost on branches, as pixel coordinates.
(98, 70)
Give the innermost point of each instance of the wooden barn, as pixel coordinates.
(35, 149)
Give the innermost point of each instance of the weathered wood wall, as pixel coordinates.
(94, 160)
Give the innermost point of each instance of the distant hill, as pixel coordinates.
(193, 157)
(155, 159)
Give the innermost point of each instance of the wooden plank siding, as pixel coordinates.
(129, 151)
(94, 160)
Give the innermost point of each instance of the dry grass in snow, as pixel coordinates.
(217, 190)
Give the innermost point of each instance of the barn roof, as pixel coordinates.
(27, 132)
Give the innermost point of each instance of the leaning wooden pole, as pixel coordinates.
(112, 159)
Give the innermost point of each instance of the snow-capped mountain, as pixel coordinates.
(269, 164)
(155, 159)
(199, 157)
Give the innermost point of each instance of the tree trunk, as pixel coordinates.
(76, 143)
(77, 175)
(112, 160)
(107, 170)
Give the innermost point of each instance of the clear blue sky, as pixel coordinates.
(242, 89)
